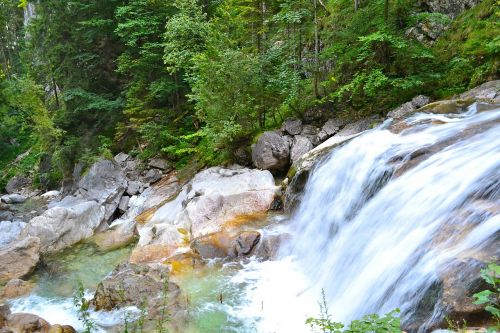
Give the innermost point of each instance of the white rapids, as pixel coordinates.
(375, 241)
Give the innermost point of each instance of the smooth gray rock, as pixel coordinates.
(123, 206)
(271, 152)
(17, 184)
(134, 187)
(121, 158)
(300, 145)
(13, 198)
(152, 176)
(410, 107)
(104, 183)
(358, 127)
(292, 126)
(311, 132)
(159, 163)
(65, 223)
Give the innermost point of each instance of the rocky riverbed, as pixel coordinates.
(146, 242)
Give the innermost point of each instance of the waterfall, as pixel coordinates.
(375, 229)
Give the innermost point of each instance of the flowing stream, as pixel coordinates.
(374, 231)
(375, 238)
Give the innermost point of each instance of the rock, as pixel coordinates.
(9, 231)
(318, 115)
(121, 158)
(488, 91)
(453, 8)
(117, 236)
(159, 163)
(104, 183)
(27, 323)
(13, 198)
(271, 152)
(409, 108)
(17, 184)
(358, 126)
(332, 126)
(4, 314)
(300, 146)
(123, 205)
(16, 288)
(19, 258)
(268, 247)
(245, 242)
(71, 221)
(427, 31)
(132, 285)
(242, 156)
(152, 176)
(311, 133)
(50, 195)
(6, 215)
(61, 329)
(292, 126)
(213, 200)
(134, 187)
(223, 244)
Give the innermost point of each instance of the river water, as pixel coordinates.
(374, 231)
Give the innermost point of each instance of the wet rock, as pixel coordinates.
(27, 323)
(4, 314)
(223, 244)
(61, 329)
(159, 163)
(16, 288)
(9, 231)
(6, 215)
(300, 145)
(117, 236)
(268, 247)
(152, 176)
(71, 221)
(271, 152)
(17, 184)
(292, 126)
(104, 183)
(132, 285)
(19, 258)
(245, 242)
(13, 198)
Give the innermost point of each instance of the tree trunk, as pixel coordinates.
(316, 48)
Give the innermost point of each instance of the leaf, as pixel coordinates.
(483, 297)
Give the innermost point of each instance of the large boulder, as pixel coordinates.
(27, 323)
(19, 258)
(65, 224)
(104, 183)
(137, 285)
(271, 152)
(17, 184)
(16, 288)
(213, 199)
(223, 244)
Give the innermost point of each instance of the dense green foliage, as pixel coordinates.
(491, 297)
(193, 80)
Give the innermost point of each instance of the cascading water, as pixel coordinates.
(375, 229)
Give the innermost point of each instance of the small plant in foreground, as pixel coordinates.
(388, 323)
(491, 298)
(83, 308)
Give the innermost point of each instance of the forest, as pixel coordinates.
(193, 80)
